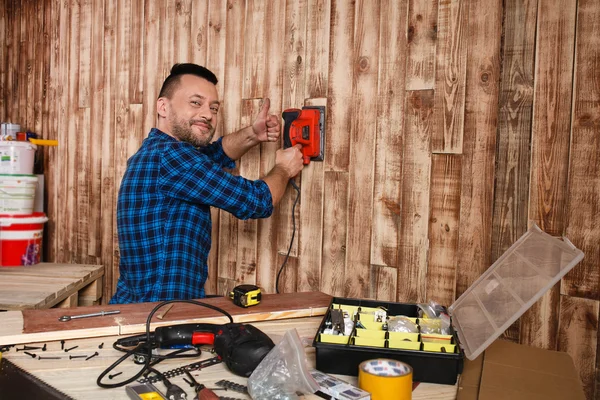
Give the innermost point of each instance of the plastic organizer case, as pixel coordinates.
(531, 266)
(437, 359)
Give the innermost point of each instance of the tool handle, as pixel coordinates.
(289, 116)
(206, 394)
(185, 335)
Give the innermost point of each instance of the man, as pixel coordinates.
(163, 209)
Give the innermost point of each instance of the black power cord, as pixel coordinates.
(293, 234)
(148, 347)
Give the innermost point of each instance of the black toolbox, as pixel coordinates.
(343, 359)
(531, 266)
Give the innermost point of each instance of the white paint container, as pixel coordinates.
(17, 194)
(17, 157)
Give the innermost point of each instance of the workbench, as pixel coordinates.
(76, 378)
(47, 285)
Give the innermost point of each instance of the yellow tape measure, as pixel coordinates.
(245, 295)
(386, 379)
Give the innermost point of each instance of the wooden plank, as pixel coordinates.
(414, 221)
(584, 164)
(311, 221)
(273, 89)
(200, 31)
(230, 112)
(152, 75)
(383, 283)
(335, 212)
(421, 38)
(108, 204)
(13, 33)
(30, 325)
(214, 38)
(50, 109)
(4, 21)
(94, 246)
(247, 230)
(288, 276)
(550, 149)
(444, 224)
(479, 142)
(27, 80)
(341, 72)
(182, 49)
(450, 75)
(85, 43)
(137, 45)
(69, 302)
(390, 142)
(555, 40)
(362, 149)
(254, 51)
(93, 291)
(317, 40)
(83, 183)
(40, 60)
(292, 97)
(577, 335)
(511, 192)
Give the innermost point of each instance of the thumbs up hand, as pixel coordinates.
(266, 126)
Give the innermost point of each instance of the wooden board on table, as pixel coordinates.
(44, 325)
(43, 285)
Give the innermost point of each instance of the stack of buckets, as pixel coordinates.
(21, 229)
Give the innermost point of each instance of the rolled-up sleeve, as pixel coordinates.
(191, 175)
(215, 152)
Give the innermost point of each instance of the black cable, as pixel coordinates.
(148, 357)
(293, 234)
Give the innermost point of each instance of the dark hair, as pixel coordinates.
(178, 70)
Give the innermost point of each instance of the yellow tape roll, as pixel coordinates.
(386, 379)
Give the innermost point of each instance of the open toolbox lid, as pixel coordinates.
(531, 266)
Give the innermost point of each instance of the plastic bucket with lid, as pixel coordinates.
(16, 157)
(17, 194)
(21, 239)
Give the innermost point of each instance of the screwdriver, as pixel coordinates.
(202, 392)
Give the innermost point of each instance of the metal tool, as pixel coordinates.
(66, 318)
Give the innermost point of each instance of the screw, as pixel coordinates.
(101, 345)
(72, 357)
(48, 358)
(29, 354)
(113, 375)
(44, 348)
(93, 355)
(74, 347)
(18, 349)
(31, 348)
(62, 344)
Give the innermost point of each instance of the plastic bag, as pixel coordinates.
(402, 324)
(283, 372)
(434, 318)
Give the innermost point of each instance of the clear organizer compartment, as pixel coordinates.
(531, 266)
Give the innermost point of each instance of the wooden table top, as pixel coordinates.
(43, 285)
(77, 377)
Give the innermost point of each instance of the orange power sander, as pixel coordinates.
(305, 127)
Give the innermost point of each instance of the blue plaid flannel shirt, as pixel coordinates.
(163, 216)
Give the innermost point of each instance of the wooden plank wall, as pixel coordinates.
(450, 125)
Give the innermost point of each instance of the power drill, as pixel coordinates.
(241, 346)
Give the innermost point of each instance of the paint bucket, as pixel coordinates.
(21, 239)
(17, 194)
(17, 157)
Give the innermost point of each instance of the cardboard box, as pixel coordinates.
(512, 371)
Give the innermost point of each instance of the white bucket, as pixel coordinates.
(16, 157)
(17, 194)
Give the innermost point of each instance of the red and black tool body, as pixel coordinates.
(305, 127)
(241, 346)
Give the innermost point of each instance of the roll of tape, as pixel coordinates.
(386, 379)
